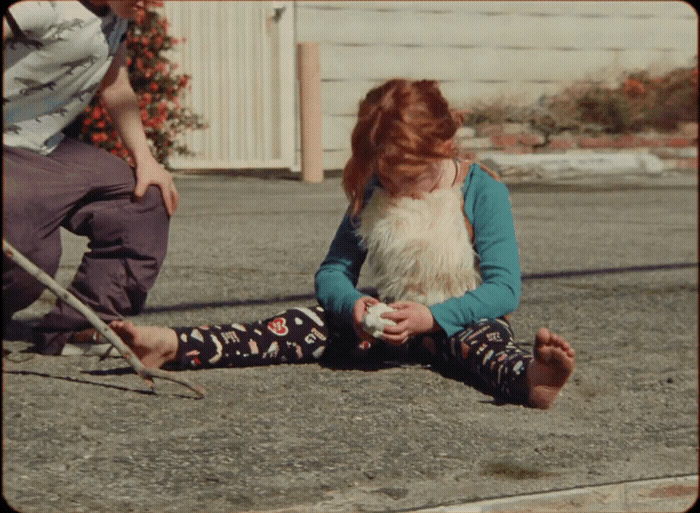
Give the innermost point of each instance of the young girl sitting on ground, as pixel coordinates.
(415, 214)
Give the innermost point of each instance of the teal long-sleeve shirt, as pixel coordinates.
(487, 206)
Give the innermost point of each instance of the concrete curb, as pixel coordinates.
(673, 494)
(575, 163)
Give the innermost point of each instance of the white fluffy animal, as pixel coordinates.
(418, 249)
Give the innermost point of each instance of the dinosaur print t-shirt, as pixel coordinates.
(53, 67)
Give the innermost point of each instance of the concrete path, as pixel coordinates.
(666, 494)
(80, 434)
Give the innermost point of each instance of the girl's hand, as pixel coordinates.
(358, 313)
(411, 319)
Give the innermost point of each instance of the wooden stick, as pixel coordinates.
(99, 324)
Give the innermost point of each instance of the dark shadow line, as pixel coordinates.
(222, 304)
(116, 372)
(311, 297)
(82, 381)
(608, 270)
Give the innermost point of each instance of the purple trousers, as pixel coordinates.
(89, 192)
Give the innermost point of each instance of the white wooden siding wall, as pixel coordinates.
(483, 50)
(244, 76)
(240, 60)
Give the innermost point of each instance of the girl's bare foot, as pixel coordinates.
(551, 368)
(154, 345)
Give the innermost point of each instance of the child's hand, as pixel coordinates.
(411, 319)
(150, 172)
(358, 313)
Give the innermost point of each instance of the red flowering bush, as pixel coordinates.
(669, 99)
(639, 102)
(158, 88)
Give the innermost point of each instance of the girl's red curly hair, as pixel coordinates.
(402, 126)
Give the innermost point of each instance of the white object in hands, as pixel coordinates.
(373, 322)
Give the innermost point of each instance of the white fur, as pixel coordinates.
(373, 322)
(418, 249)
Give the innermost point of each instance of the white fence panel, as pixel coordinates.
(240, 56)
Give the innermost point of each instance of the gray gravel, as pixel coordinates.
(81, 434)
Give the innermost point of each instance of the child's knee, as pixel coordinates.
(152, 199)
(139, 227)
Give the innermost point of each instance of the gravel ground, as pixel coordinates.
(81, 434)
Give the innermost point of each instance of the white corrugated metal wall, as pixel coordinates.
(240, 56)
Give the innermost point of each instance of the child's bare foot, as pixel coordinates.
(551, 368)
(154, 345)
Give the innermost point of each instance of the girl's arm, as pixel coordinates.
(337, 276)
(487, 205)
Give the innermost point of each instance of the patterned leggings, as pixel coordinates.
(484, 350)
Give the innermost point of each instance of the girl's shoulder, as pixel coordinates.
(477, 177)
(483, 191)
